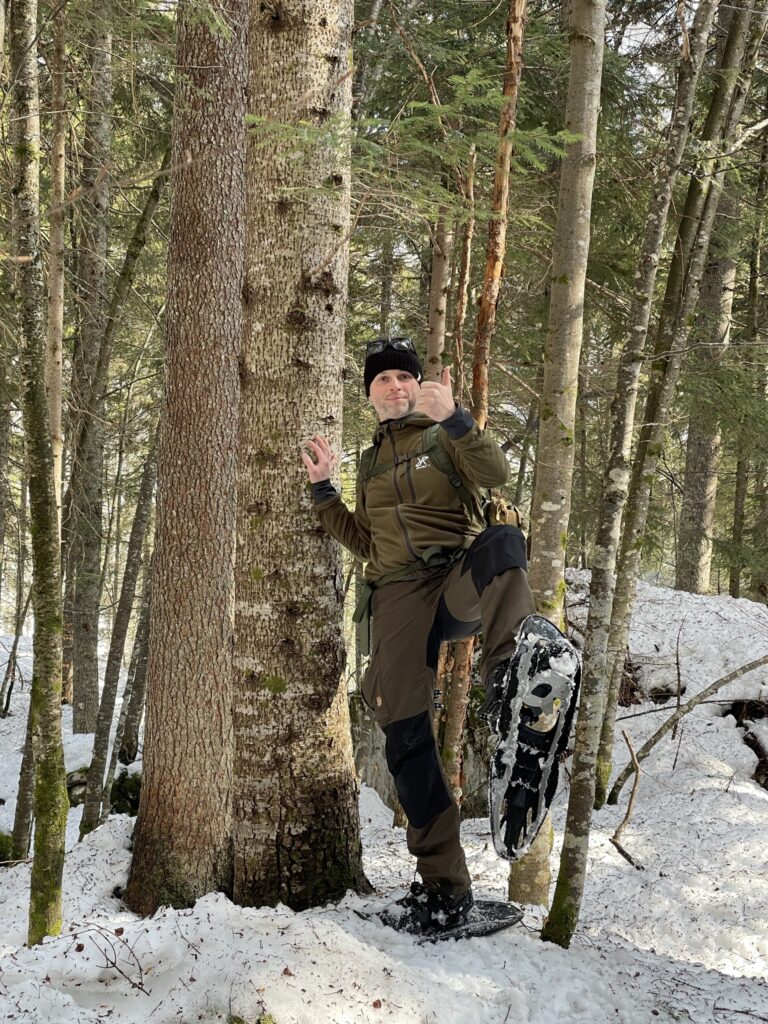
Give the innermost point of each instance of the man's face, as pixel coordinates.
(394, 393)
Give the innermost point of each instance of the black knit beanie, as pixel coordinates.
(390, 359)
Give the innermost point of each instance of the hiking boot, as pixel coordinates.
(433, 910)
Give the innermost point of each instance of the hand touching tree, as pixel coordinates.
(325, 459)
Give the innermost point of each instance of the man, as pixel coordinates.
(434, 573)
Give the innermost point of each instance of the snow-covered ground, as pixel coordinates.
(683, 939)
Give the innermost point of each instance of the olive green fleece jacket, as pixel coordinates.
(413, 506)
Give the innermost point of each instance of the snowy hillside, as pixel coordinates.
(683, 939)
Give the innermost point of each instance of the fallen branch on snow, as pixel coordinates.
(671, 722)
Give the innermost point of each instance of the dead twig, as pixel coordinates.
(630, 807)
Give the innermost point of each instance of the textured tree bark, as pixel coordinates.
(296, 830)
(497, 226)
(182, 841)
(442, 247)
(95, 782)
(550, 507)
(711, 336)
(50, 800)
(680, 297)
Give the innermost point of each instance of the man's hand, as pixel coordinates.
(324, 462)
(436, 397)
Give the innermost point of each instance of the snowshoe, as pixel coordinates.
(424, 910)
(432, 916)
(524, 768)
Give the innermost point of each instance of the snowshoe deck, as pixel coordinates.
(485, 918)
(525, 765)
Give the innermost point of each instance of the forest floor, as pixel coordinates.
(684, 938)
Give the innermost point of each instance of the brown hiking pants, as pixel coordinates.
(487, 589)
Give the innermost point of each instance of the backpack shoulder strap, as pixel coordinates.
(367, 459)
(442, 461)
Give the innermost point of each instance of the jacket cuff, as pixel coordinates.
(322, 491)
(458, 424)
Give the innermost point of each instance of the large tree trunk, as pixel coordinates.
(680, 297)
(550, 508)
(296, 832)
(95, 783)
(711, 337)
(51, 803)
(182, 842)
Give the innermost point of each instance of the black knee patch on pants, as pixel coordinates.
(496, 549)
(412, 761)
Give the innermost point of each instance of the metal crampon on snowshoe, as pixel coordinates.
(542, 678)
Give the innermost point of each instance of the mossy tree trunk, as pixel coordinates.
(182, 841)
(296, 833)
(50, 801)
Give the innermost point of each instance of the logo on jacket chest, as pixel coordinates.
(422, 461)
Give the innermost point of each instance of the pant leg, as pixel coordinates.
(490, 589)
(399, 687)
